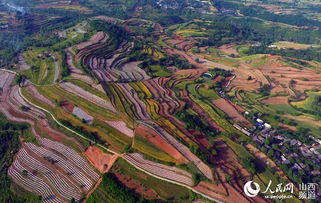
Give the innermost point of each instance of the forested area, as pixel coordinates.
(227, 29)
(306, 54)
(9, 145)
(260, 12)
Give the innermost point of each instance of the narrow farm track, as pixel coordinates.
(111, 151)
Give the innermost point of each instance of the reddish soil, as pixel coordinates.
(230, 110)
(172, 69)
(203, 49)
(157, 140)
(202, 139)
(304, 119)
(183, 54)
(226, 163)
(182, 43)
(97, 38)
(218, 78)
(282, 74)
(276, 100)
(287, 126)
(136, 186)
(69, 107)
(227, 191)
(100, 160)
(228, 48)
(242, 81)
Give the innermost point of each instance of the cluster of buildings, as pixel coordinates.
(261, 125)
(284, 153)
(262, 131)
(202, 6)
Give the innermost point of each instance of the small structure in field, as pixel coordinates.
(267, 126)
(259, 121)
(207, 75)
(82, 115)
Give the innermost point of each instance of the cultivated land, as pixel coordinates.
(172, 101)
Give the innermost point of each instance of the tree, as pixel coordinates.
(25, 173)
(214, 152)
(249, 164)
(270, 153)
(292, 82)
(24, 108)
(196, 179)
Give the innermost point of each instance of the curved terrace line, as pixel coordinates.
(109, 150)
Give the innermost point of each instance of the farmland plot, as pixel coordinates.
(53, 170)
(86, 95)
(161, 170)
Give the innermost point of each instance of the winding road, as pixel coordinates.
(109, 150)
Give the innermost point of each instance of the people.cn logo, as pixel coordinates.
(249, 190)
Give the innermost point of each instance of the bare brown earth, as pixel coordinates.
(201, 139)
(188, 57)
(100, 160)
(304, 119)
(276, 100)
(99, 37)
(181, 43)
(228, 48)
(135, 185)
(156, 139)
(282, 74)
(287, 126)
(107, 19)
(242, 82)
(229, 109)
(227, 191)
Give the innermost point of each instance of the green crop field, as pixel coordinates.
(285, 109)
(57, 94)
(143, 145)
(42, 66)
(165, 190)
(255, 50)
(307, 103)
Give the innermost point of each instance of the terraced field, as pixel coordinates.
(163, 171)
(62, 179)
(49, 168)
(166, 103)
